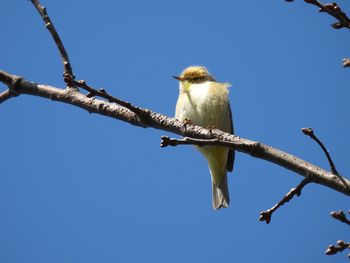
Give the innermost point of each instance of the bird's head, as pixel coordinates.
(194, 74)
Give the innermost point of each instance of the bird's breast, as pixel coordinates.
(204, 104)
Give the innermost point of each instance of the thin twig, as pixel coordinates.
(340, 216)
(69, 78)
(68, 71)
(310, 132)
(333, 249)
(166, 141)
(11, 82)
(333, 10)
(5, 95)
(143, 113)
(266, 215)
(341, 245)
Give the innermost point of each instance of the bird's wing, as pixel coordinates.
(231, 153)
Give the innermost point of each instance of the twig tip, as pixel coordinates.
(308, 131)
(265, 216)
(346, 62)
(164, 141)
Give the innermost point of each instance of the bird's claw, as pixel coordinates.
(211, 128)
(187, 122)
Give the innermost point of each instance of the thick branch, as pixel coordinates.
(158, 121)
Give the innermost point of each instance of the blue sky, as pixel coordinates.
(79, 187)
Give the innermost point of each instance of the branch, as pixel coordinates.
(158, 121)
(266, 215)
(68, 71)
(69, 78)
(103, 94)
(166, 141)
(339, 215)
(333, 10)
(7, 94)
(341, 245)
(310, 132)
(11, 82)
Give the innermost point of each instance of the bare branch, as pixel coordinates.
(159, 121)
(266, 215)
(166, 141)
(11, 82)
(69, 78)
(333, 10)
(341, 245)
(7, 94)
(339, 215)
(68, 71)
(103, 94)
(258, 150)
(310, 132)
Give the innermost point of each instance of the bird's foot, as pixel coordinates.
(187, 122)
(211, 128)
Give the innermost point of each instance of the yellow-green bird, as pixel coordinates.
(203, 101)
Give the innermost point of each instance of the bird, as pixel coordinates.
(203, 101)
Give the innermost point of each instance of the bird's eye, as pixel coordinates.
(195, 79)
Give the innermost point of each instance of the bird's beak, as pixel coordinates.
(178, 78)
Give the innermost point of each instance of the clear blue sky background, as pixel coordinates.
(79, 187)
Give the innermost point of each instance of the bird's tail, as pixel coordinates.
(220, 194)
(217, 162)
